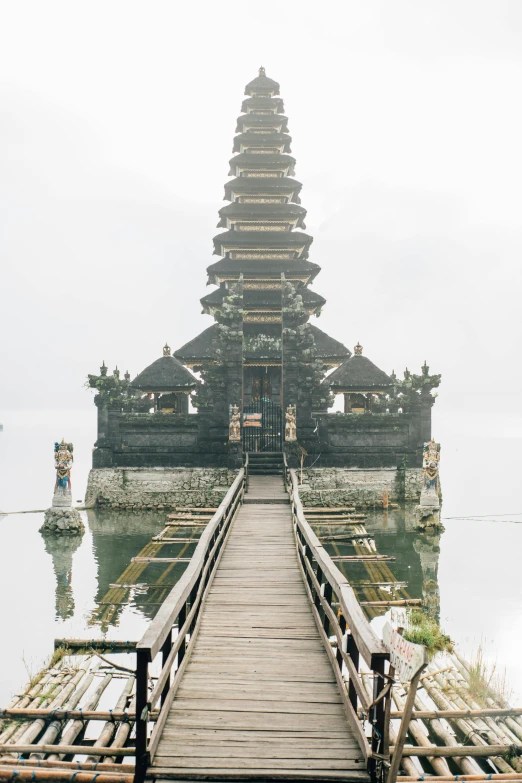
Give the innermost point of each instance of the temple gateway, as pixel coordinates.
(262, 377)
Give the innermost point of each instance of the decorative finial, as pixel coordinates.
(116, 372)
(127, 376)
(262, 71)
(425, 368)
(103, 368)
(358, 349)
(166, 350)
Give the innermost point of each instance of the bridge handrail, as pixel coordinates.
(182, 606)
(354, 635)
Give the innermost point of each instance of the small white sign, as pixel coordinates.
(407, 658)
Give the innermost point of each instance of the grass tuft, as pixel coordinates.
(485, 682)
(423, 629)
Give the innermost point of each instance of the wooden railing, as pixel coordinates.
(354, 637)
(181, 609)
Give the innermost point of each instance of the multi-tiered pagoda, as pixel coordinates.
(262, 354)
(270, 357)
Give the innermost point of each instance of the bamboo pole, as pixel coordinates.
(469, 713)
(417, 730)
(448, 737)
(122, 733)
(83, 679)
(70, 733)
(451, 778)
(27, 733)
(480, 751)
(34, 775)
(109, 728)
(442, 701)
(96, 644)
(515, 721)
(67, 750)
(489, 730)
(71, 765)
(73, 714)
(31, 691)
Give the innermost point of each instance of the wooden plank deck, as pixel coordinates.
(258, 699)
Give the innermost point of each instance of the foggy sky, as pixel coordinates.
(116, 129)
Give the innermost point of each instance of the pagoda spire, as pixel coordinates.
(262, 244)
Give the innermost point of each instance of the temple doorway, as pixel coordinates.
(262, 426)
(262, 413)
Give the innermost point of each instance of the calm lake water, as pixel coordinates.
(62, 588)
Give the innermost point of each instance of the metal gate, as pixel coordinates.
(262, 427)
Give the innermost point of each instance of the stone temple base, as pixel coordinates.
(63, 522)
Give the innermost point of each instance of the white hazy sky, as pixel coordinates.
(116, 129)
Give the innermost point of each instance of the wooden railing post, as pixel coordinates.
(182, 616)
(317, 599)
(342, 626)
(353, 652)
(328, 597)
(377, 720)
(142, 711)
(165, 650)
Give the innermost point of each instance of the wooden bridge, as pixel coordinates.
(250, 685)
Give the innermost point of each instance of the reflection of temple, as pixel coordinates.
(62, 549)
(417, 554)
(117, 538)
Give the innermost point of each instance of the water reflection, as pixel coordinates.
(120, 536)
(413, 573)
(62, 549)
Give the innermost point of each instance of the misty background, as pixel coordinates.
(116, 128)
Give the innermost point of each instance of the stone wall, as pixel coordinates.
(158, 487)
(352, 486)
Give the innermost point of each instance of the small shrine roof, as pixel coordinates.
(201, 347)
(276, 161)
(262, 84)
(262, 212)
(164, 375)
(255, 185)
(262, 140)
(328, 349)
(358, 373)
(260, 102)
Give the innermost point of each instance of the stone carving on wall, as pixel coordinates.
(430, 466)
(291, 424)
(234, 429)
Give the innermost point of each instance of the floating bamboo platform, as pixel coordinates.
(56, 722)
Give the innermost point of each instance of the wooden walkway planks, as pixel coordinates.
(258, 698)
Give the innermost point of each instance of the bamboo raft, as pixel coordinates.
(451, 734)
(61, 727)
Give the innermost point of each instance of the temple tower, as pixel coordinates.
(262, 353)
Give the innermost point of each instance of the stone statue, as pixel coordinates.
(63, 460)
(291, 424)
(430, 465)
(234, 429)
(62, 518)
